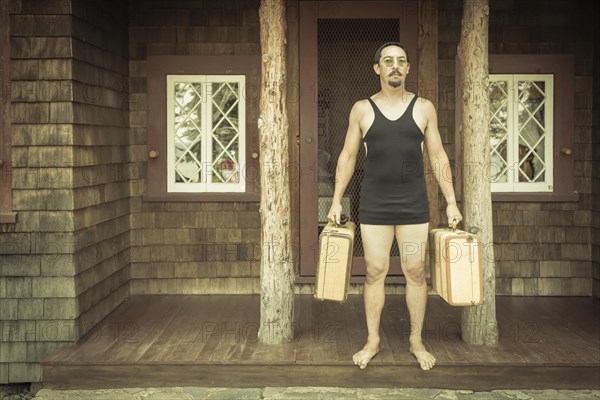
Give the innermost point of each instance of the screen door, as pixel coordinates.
(341, 61)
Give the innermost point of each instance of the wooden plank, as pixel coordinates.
(306, 328)
(284, 353)
(323, 347)
(452, 377)
(234, 327)
(146, 319)
(579, 309)
(394, 321)
(166, 333)
(474, 354)
(504, 313)
(148, 341)
(205, 322)
(150, 315)
(178, 328)
(103, 335)
(447, 329)
(449, 319)
(534, 353)
(204, 348)
(61, 353)
(341, 337)
(574, 344)
(357, 326)
(330, 331)
(251, 340)
(509, 348)
(392, 347)
(192, 333)
(249, 324)
(563, 350)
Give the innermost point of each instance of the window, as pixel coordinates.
(202, 129)
(205, 133)
(521, 132)
(532, 128)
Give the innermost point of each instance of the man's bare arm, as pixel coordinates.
(346, 161)
(440, 162)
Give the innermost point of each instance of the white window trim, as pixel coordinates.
(512, 184)
(206, 186)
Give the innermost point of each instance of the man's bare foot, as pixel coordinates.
(363, 357)
(425, 359)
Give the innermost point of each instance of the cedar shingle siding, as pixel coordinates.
(191, 247)
(65, 265)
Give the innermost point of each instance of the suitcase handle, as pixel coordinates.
(343, 219)
(474, 230)
(453, 225)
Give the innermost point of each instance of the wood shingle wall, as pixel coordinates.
(189, 247)
(65, 263)
(541, 248)
(37, 287)
(101, 170)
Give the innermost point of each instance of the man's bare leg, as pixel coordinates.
(412, 241)
(377, 242)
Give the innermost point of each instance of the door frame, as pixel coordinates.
(407, 11)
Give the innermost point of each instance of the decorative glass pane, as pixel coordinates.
(225, 132)
(188, 132)
(532, 130)
(539, 163)
(498, 92)
(205, 141)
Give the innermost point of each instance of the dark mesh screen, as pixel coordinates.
(345, 70)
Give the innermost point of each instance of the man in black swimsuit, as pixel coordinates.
(394, 125)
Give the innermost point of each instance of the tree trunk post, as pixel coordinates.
(478, 323)
(277, 271)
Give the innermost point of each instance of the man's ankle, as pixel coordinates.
(415, 339)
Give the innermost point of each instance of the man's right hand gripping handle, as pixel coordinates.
(335, 213)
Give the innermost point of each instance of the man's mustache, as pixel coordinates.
(395, 73)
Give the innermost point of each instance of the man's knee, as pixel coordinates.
(376, 271)
(413, 251)
(414, 273)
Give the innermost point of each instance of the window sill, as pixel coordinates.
(538, 197)
(8, 218)
(202, 197)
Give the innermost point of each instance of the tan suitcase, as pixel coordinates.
(457, 273)
(336, 244)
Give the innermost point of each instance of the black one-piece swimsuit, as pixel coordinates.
(393, 190)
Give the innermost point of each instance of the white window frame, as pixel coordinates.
(512, 184)
(206, 185)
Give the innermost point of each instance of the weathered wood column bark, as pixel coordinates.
(277, 271)
(479, 325)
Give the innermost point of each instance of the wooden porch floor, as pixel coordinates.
(212, 341)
